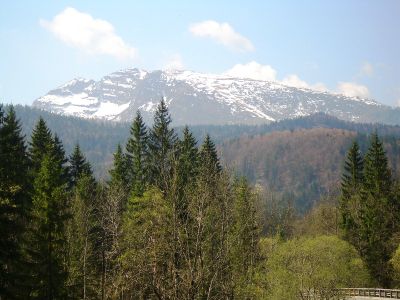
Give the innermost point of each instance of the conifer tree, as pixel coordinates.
(378, 179)
(78, 166)
(48, 249)
(352, 178)
(14, 204)
(209, 157)
(350, 200)
(187, 170)
(119, 171)
(379, 212)
(40, 140)
(137, 155)
(162, 142)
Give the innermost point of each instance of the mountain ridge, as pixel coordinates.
(200, 99)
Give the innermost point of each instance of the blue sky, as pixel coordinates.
(348, 46)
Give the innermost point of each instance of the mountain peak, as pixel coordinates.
(198, 98)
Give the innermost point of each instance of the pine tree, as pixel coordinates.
(350, 200)
(352, 178)
(78, 166)
(162, 141)
(40, 140)
(48, 250)
(119, 172)
(209, 157)
(137, 155)
(378, 212)
(14, 204)
(187, 170)
(378, 178)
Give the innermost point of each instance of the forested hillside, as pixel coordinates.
(298, 158)
(301, 164)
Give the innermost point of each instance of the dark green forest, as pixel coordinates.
(172, 222)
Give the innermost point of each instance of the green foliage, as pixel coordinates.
(369, 208)
(40, 140)
(245, 234)
(209, 157)
(119, 171)
(146, 244)
(137, 156)
(82, 232)
(48, 235)
(162, 142)
(14, 204)
(78, 166)
(313, 265)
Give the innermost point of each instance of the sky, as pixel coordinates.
(342, 46)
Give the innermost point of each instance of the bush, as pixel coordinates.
(307, 265)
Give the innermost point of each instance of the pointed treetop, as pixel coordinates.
(209, 156)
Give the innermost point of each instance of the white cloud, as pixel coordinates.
(253, 70)
(295, 81)
(94, 36)
(367, 69)
(174, 63)
(352, 89)
(223, 33)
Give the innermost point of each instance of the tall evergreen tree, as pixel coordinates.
(162, 142)
(78, 166)
(14, 204)
(352, 178)
(378, 178)
(379, 212)
(351, 188)
(119, 171)
(40, 140)
(209, 157)
(48, 250)
(137, 155)
(186, 170)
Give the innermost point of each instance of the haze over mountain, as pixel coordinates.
(196, 98)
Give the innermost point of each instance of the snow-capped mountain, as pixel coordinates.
(195, 98)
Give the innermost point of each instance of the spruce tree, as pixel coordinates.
(78, 166)
(14, 205)
(119, 171)
(209, 157)
(137, 155)
(48, 238)
(162, 142)
(379, 212)
(187, 170)
(352, 177)
(378, 178)
(351, 187)
(40, 140)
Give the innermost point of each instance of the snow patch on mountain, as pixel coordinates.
(197, 98)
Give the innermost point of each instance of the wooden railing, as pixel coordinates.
(366, 292)
(348, 293)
